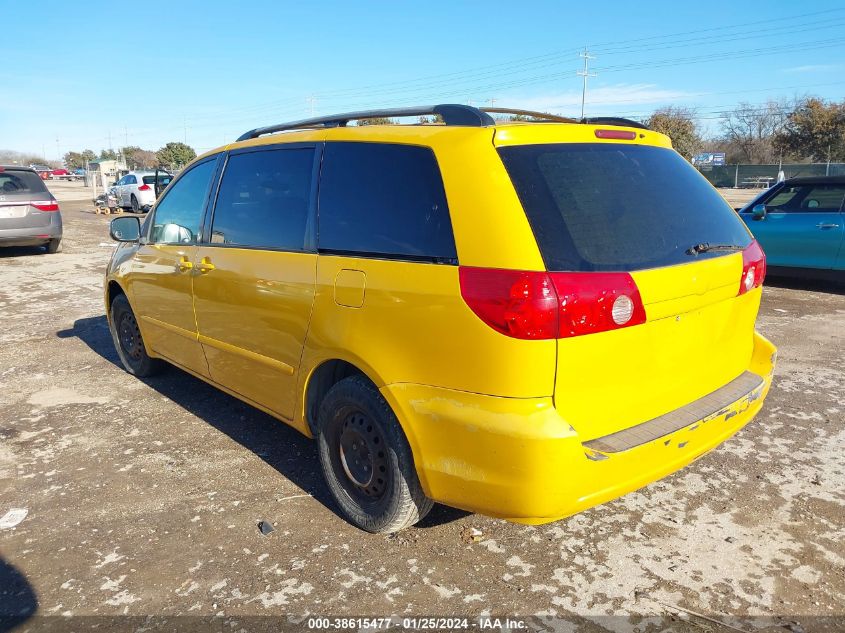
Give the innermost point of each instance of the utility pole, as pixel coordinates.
(585, 73)
(492, 102)
(311, 100)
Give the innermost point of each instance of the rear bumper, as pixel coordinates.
(519, 459)
(32, 236)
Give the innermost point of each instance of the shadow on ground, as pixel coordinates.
(810, 284)
(18, 601)
(285, 449)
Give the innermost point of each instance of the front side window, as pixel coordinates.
(264, 198)
(179, 214)
(384, 200)
(808, 199)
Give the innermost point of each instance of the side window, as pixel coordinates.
(131, 180)
(122, 181)
(384, 200)
(263, 199)
(809, 199)
(179, 214)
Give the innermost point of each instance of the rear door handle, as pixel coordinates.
(184, 265)
(205, 265)
(827, 226)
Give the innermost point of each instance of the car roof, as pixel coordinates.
(816, 180)
(17, 167)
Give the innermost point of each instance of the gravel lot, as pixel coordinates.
(143, 496)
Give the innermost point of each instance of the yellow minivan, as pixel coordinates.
(523, 319)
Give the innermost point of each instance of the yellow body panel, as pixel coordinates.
(496, 424)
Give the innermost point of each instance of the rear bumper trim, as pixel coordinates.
(748, 385)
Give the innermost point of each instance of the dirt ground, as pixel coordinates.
(143, 497)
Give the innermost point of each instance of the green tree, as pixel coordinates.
(679, 125)
(175, 155)
(376, 121)
(814, 130)
(88, 155)
(74, 160)
(108, 154)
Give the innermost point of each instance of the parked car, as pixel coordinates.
(136, 190)
(43, 171)
(59, 172)
(519, 319)
(801, 225)
(29, 214)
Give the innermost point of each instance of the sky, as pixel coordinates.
(95, 75)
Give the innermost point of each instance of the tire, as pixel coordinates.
(54, 246)
(380, 492)
(136, 208)
(128, 342)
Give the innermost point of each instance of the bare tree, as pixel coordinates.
(752, 128)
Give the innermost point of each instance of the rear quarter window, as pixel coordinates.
(14, 181)
(609, 206)
(384, 200)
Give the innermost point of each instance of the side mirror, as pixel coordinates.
(125, 229)
(758, 211)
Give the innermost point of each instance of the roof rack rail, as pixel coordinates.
(614, 120)
(540, 116)
(451, 113)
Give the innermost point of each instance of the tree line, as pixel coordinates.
(171, 156)
(798, 130)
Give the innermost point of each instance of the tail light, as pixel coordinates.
(144, 188)
(541, 305)
(597, 302)
(45, 205)
(753, 268)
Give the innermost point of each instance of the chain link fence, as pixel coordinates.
(751, 176)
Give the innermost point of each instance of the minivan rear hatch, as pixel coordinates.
(23, 197)
(637, 209)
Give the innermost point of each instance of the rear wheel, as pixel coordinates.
(136, 208)
(127, 340)
(54, 245)
(366, 459)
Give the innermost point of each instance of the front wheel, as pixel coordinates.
(366, 459)
(127, 340)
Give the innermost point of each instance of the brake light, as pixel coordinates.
(521, 304)
(753, 268)
(144, 188)
(541, 305)
(624, 135)
(45, 205)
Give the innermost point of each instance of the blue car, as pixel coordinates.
(800, 223)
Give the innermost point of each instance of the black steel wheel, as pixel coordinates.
(128, 340)
(366, 459)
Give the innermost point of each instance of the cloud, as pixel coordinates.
(598, 97)
(812, 68)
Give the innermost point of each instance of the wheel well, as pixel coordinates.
(114, 290)
(324, 378)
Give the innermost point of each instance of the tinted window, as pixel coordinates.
(131, 180)
(382, 199)
(618, 207)
(163, 180)
(808, 198)
(19, 181)
(263, 199)
(179, 214)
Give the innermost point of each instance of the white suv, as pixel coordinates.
(136, 190)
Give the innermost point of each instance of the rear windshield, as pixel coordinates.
(618, 207)
(14, 181)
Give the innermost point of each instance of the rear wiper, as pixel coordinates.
(704, 247)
